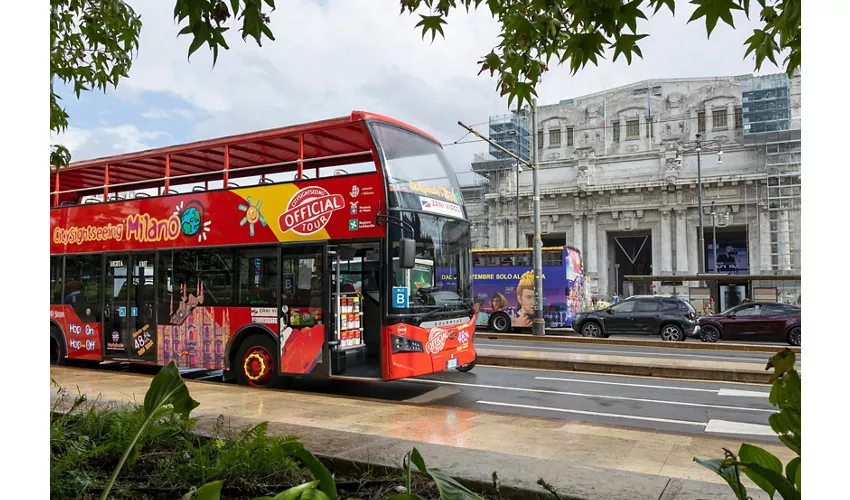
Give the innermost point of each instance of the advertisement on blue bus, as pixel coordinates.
(503, 281)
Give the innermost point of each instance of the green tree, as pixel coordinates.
(93, 41)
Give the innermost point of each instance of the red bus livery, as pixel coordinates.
(317, 262)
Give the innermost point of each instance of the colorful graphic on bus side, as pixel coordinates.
(511, 289)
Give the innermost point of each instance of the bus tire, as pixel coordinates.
(256, 363)
(500, 322)
(468, 366)
(57, 348)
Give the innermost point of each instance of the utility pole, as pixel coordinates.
(538, 324)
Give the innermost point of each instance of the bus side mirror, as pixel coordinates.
(407, 253)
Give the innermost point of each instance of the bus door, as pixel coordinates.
(304, 310)
(129, 322)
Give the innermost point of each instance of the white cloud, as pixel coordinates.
(161, 114)
(340, 55)
(105, 141)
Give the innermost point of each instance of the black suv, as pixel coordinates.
(669, 317)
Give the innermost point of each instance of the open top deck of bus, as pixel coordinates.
(337, 141)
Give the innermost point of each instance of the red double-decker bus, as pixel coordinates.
(308, 250)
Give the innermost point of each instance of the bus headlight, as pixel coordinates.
(404, 344)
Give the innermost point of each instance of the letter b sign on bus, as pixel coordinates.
(399, 296)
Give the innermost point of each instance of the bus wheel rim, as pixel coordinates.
(258, 366)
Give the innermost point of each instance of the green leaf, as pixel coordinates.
(671, 4)
(196, 44)
(432, 24)
(210, 491)
(448, 487)
(792, 472)
(326, 480)
(727, 473)
(405, 496)
(296, 491)
(777, 480)
(750, 454)
(315, 495)
(167, 388)
(713, 10)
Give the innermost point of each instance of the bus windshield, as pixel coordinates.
(419, 175)
(440, 281)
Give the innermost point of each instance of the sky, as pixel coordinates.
(334, 56)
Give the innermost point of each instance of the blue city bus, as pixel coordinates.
(503, 287)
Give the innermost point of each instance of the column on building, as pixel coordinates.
(693, 246)
(622, 124)
(591, 244)
(764, 241)
(784, 241)
(500, 234)
(512, 232)
(730, 117)
(642, 129)
(492, 231)
(666, 242)
(709, 120)
(578, 233)
(681, 241)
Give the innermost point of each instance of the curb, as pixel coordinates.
(703, 374)
(690, 344)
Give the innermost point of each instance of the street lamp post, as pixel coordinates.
(617, 278)
(697, 146)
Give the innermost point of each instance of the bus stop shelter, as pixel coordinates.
(711, 293)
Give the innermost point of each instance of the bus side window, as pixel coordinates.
(258, 273)
(83, 276)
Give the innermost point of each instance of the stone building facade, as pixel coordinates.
(618, 180)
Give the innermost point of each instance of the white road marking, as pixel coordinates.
(599, 396)
(713, 426)
(594, 413)
(743, 394)
(619, 352)
(719, 392)
(648, 386)
(726, 427)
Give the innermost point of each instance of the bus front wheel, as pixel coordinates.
(468, 366)
(500, 322)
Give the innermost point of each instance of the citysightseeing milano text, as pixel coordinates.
(138, 227)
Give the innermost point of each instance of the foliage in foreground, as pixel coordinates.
(163, 456)
(92, 42)
(758, 464)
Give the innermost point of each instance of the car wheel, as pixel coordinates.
(591, 329)
(709, 333)
(671, 333)
(793, 336)
(468, 366)
(500, 323)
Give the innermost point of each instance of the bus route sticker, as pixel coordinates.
(400, 297)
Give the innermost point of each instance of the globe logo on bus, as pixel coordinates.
(190, 221)
(310, 210)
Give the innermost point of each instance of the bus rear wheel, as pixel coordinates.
(256, 363)
(468, 366)
(500, 322)
(57, 354)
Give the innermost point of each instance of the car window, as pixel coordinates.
(754, 310)
(624, 307)
(647, 305)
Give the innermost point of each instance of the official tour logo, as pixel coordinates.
(310, 210)
(436, 340)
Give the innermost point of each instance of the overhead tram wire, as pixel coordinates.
(594, 128)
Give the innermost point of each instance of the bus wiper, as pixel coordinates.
(442, 308)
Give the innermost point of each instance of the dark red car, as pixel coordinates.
(753, 321)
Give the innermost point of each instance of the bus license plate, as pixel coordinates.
(452, 363)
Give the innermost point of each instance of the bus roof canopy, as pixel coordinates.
(337, 141)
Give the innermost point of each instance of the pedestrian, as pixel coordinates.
(615, 298)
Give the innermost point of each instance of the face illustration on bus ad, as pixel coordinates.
(525, 299)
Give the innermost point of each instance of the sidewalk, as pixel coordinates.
(583, 461)
(726, 371)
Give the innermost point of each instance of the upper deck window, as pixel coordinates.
(419, 175)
